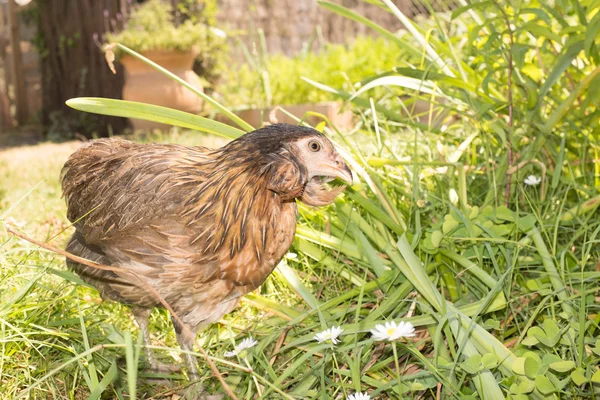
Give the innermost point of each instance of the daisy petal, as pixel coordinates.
(392, 330)
(329, 334)
(359, 396)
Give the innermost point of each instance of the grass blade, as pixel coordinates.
(150, 112)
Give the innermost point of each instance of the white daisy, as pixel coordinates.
(329, 334)
(392, 331)
(532, 180)
(244, 345)
(359, 396)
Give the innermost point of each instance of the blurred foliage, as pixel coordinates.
(155, 25)
(336, 65)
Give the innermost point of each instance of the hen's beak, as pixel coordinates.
(331, 169)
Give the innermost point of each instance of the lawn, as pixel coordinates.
(477, 222)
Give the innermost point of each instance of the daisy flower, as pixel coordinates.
(329, 334)
(392, 330)
(359, 396)
(244, 345)
(532, 180)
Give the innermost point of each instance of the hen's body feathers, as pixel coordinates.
(193, 223)
(200, 227)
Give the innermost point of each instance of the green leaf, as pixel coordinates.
(490, 360)
(530, 341)
(592, 33)
(401, 81)
(540, 30)
(526, 386)
(578, 376)
(449, 224)
(473, 6)
(473, 364)
(518, 366)
(474, 212)
(149, 112)
(544, 385)
(532, 367)
(562, 366)
(436, 238)
(503, 213)
(526, 223)
(596, 377)
(561, 65)
(551, 327)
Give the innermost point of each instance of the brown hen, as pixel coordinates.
(202, 227)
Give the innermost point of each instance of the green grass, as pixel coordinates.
(500, 278)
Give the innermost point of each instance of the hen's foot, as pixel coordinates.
(157, 367)
(196, 392)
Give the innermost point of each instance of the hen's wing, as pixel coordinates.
(126, 202)
(112, 185)
(197, 228)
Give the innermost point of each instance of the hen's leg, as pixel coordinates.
(186, 338)
(141, 316)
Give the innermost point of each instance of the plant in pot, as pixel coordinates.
(152, 31)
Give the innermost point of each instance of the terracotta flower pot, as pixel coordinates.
(145, 84)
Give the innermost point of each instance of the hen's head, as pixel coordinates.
(296, 162)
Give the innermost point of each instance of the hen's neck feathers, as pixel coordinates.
(234, 191)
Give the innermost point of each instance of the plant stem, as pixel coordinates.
(396, 362)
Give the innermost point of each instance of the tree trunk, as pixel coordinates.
(73, 65)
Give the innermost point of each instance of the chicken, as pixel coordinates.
(201, 227)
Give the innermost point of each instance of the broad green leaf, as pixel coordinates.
(526, 223)
(132, 363)
(562, 366)
(578, 376)
(473, 364)
(596, 377)
(544, 385)
(436, 238)
(503, 213)
(473, 212)
(532, 367)
(526, 386)
(529, 341)
(490, 360)
(449, 224)
(149, 112)
(518, 366)
(551, 328)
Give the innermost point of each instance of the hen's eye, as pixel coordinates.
(314, 146)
